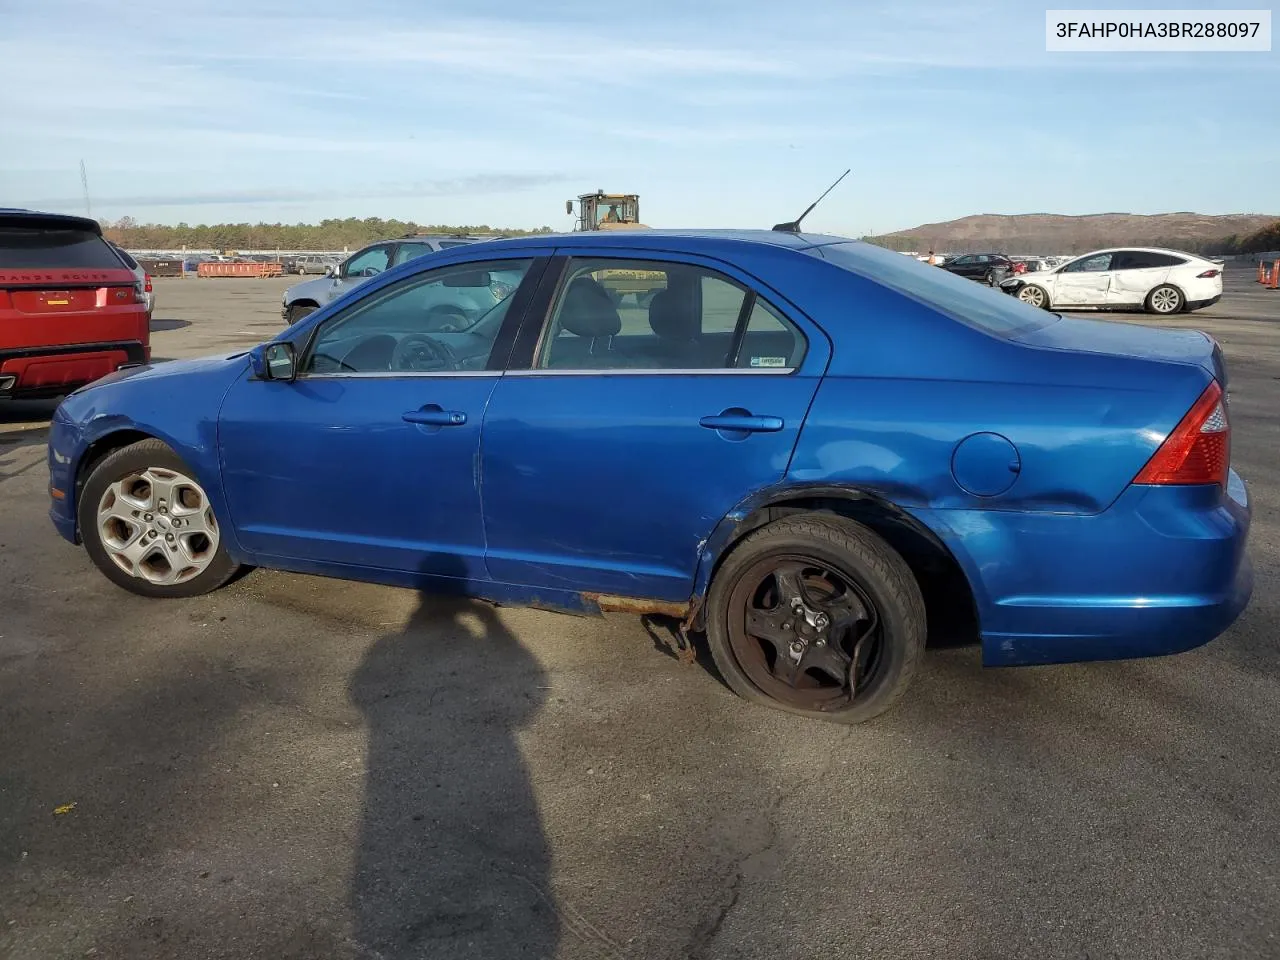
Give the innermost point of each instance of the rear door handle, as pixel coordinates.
(434, 416)
(743, 422)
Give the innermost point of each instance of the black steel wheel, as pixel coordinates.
(816, 615)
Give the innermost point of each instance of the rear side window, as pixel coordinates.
(22, 247)
(618, 314)
(973, 304)
(1143, 259)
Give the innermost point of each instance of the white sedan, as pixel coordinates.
(1143, 278)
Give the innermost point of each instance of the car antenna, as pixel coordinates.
(794, 225)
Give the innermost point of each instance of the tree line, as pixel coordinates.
(349, 233)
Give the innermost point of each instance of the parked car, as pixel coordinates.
(801, 445)
(140, 276)
(70, 309)
(1134, 278)
(304, 298)
(988, 268)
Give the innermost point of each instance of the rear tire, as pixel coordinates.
(1165, 300)
(142, 509)
(857, 608)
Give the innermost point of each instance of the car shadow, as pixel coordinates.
(452, 860)
(159, 325)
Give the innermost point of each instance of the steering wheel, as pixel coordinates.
(419, 353)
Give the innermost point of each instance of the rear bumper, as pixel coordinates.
(32, 372)
(1162, 571)
(1197, 304)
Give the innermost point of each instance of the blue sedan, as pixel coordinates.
(814, 450)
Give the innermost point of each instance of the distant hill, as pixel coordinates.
(1050, 233)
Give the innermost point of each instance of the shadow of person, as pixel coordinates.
(452, 860)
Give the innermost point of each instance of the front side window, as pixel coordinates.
(442, 321)
(650, 315)
(367, 263)
(1095, 264)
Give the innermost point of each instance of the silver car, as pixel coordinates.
(310, 295)
(143, 279)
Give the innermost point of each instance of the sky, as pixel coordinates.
(718, 114)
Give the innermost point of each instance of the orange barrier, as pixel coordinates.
(1269, 277)
(252, 268)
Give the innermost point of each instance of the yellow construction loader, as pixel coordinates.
(606, 211)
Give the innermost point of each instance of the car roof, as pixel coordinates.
(16, 216)
(1169, 250)
(691, 240)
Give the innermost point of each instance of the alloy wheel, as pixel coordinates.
(157, 525)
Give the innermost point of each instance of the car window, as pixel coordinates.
(367, 263)
(411, 251)
(1143, 260)
(616, 314)
(770, 340)
(446, 244)
(1095, 264)
(947, 293)
(441, 321)
(41, 247)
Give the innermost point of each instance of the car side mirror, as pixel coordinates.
(330, 270)
(274, 361)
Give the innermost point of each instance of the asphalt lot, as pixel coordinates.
(303, 768)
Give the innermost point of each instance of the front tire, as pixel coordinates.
(149, 526)
(1034, 295)
(1165, 300)
(816, 615)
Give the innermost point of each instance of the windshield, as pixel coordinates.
(973, 304)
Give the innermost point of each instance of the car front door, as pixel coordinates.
(1083, 282)
(369, 458)
(361, 266)
(962, 266)
(658, 393)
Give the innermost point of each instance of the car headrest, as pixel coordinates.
(672, 317)
(588, 310)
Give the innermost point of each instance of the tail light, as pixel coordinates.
(1199, 448)
(1208, 274)
(147, 286)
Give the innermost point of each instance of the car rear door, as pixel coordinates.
(648, 396)
(1135, 273)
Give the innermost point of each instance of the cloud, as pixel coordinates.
(479, 184)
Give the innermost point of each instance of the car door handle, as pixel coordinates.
(744, 422)
(433, 416)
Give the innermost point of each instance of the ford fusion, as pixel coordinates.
(816, 451)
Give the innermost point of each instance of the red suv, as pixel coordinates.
(71, 311)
